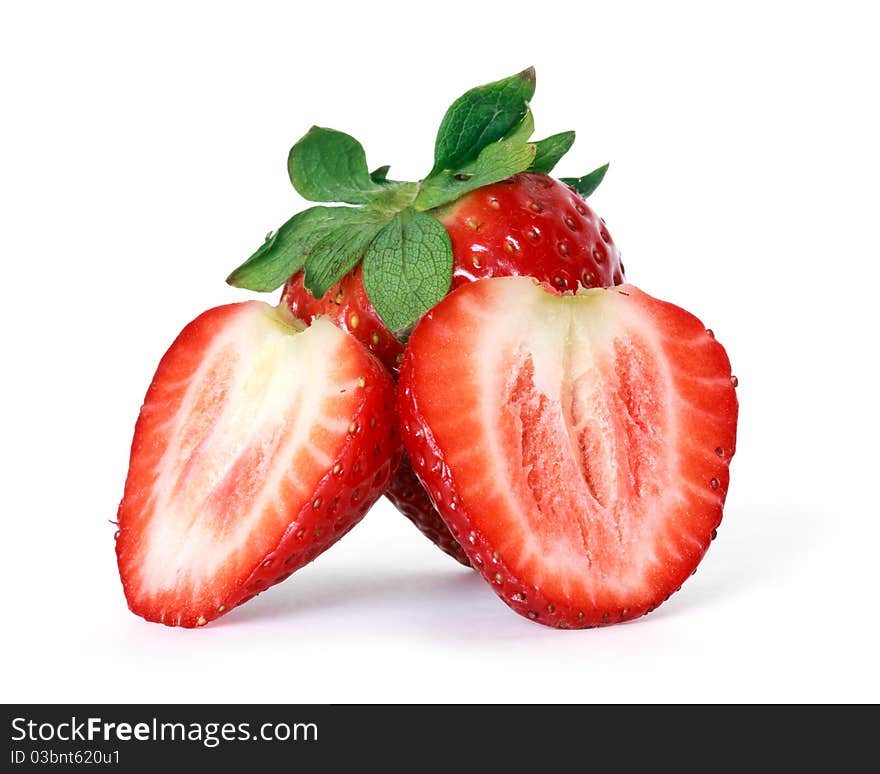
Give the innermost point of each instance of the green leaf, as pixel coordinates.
(408, 268)
(523, 130)
(588, 183)
(396, 196)
(284, 251)
(496, 162)
(550, 150)
(380, 175)
(339, 248)
(480, 117)
(330, 166)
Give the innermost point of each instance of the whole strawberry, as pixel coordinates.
(526, 224)
(487, 208)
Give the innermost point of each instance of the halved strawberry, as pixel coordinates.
(260, 443)
(577, 446)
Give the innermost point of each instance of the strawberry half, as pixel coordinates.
(260, 443)
(578, 446)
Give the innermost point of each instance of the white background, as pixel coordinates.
(143, 156)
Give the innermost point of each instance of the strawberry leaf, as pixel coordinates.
(308, 239)
(550, 150)
(284, 251)
(339, 248)
(495, 162)
(588, 183)
(380, 175)
(408, 268)
(330, 166)
(396, 195)
(480, 117)
(523, 130)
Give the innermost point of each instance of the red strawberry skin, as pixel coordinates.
(346, 303)
(535, 226)
(234, 483)
(529, 224)
(409, 497)
(593, 510)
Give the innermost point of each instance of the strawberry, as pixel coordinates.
(528, 224)
(585, 463)
(487, 208)
(260, 443)
(410, 498)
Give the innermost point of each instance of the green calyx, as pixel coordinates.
(484, 137)
(588, 183)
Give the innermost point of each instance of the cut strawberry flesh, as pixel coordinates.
(572, 439)
(245, 420)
